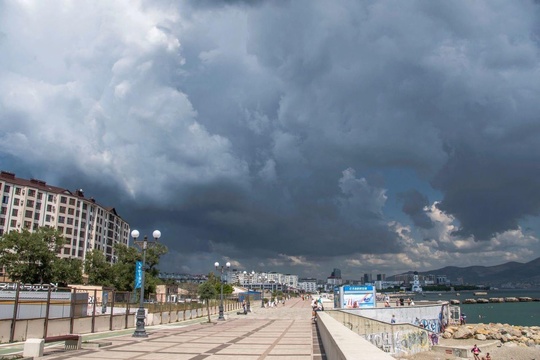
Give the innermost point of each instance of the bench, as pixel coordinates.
(34, 347)
(72, 341)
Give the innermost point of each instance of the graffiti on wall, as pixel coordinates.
(403, 342)
(432, 325)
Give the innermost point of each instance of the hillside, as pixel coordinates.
(510, 272)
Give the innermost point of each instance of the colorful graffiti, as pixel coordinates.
(403, 342)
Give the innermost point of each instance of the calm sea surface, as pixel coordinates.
(521, 313)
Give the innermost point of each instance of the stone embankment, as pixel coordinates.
(520, 335)
(495, 300)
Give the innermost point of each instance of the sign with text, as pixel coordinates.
(355, 297)
(138, 274)
(27, 287)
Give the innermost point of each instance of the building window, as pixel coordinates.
(71, 211)
(50, 198)
(7, 188)
(5, 199)
(13, 223)
(69, 231)
(66, 251)
(62, 210)
(61, 219)
(48, 218)
(2, 221)
(27, 224)
(61, 229)
(40, 195)
(36, 216)
(14, 212)
(71, 201)
(17, 191)
(32, 192)
(49, 208)
(30, 203)
(28, 214)
(16, 201)
(70, 221)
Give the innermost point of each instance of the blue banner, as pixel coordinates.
(138, 274)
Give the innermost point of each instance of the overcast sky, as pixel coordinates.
(289, 136)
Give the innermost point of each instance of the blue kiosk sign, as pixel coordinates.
(355, 296)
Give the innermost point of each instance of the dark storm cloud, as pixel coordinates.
(262, 130)
(414, 204)
(490, 192)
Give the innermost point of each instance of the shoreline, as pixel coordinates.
(508, 351)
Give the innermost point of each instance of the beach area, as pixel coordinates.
(508, 351)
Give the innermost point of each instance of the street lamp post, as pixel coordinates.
(228, 265)
(263, 280)
(251, 274)
(139, 329)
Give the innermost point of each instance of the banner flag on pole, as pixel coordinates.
(138, 274)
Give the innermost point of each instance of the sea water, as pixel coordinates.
(518, 313)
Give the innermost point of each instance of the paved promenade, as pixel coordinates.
(281, 333)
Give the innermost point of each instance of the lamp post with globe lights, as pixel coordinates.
(143, 244)
(251, 274)
(228, 265)
(263, 281)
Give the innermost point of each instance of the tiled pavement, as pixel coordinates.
(282, 333)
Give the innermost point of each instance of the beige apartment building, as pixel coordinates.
(86, 225)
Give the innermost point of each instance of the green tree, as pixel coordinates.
(98, 269)
(68, 271)
(207, 291)
(124, 269)
(31, 257)
(227, 288)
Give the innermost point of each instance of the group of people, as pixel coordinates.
(476, 353)
(316, 305)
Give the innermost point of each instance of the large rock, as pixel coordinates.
(447, 335)
(480, 337)
(515, 332)
(463, 333)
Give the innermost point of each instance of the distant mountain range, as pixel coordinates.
(510, 272)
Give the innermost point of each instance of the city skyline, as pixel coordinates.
(301, 136)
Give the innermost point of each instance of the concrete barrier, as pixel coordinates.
(341, 343)
(34, 348)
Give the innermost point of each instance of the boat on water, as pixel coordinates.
(478, 293)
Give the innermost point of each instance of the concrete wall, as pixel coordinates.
(428, 316)
(398, 339)
(340, 343)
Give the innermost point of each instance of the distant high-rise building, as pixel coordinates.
(381, 277)
(86, 225)
(368, 279)
(336, 273)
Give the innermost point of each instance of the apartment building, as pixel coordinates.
(86, 225)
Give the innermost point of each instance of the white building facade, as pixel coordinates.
(86, 225)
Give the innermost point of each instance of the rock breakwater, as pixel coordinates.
(505, 333)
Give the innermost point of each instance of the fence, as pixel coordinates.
(30, 311)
